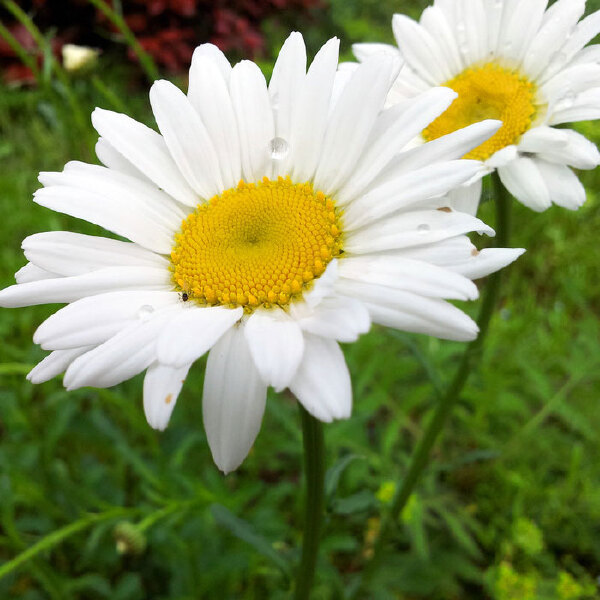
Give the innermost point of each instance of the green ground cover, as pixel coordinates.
(509, 509)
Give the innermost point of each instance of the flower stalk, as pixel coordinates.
(471, 356)
(314, 469)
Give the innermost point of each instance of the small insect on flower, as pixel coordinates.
(277, 258)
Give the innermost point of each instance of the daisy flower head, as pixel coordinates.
(514, 60)
(263, 225)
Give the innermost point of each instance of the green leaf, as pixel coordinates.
(332, 477)
(460, 533)
(246, 532)
(358, 502)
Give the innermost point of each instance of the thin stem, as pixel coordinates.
(56, 537)
(20, 51)
(146, 62)
(471, 355)
(314, 468)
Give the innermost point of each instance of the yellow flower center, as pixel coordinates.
(488, 92)
(256, 244)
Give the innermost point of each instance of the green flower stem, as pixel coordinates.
(471, 355)
(314, 467)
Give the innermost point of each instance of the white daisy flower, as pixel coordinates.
(265, 225)
(515, 61)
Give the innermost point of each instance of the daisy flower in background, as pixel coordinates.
(515, 61)
(265, 224)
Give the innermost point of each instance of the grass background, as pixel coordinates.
(508, 510)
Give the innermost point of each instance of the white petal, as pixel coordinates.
(412, 229)
(322, 383)
(213, 53)
(563, 146)
(276, 345)
(286, 82)
(405, 320)
(584, 107)
(587, 55)
(441, 253)
(564, 86)
(393, 129)
(254, 116)
(558, 22)
(343, 76)
(352, 121)
(67, 253)
(309, 119)
(339, 318)
(234, 400)
(521, 21)
(137, 223)
(162, 385)
(448, 147)
(435, 23)
(323, 286)
(209, 95)
(565, 188)
(410, 275)
(193, 333)
(411, 312)
(365, 51)
(95, 319)
(54, 364)
(31, 272)
(585, 31)
(541, 139)
(69, 289)
(502, 157)
(472, 30)
(123, 356)
(187, 138)
(113, 159)
(466, 198)
(133, 193)
(523, 180)
(485, 262)
(146, 150)
(494, 12)
(420, 50)
(409, 189)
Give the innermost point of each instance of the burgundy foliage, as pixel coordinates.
(168, 30)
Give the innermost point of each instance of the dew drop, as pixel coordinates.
(423, 228)
(145, 312)
(279, 148)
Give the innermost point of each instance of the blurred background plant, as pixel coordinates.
(94, 504)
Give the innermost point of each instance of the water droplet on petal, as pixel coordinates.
(279, 148)
(423, 228)
(145, 312)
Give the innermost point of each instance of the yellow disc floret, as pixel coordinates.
(256, 244)
(488, 92)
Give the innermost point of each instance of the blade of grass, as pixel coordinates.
(51, 64)
(146, 62)
(56, 537)
(21, 52)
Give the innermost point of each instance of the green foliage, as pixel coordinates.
(509, 509)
